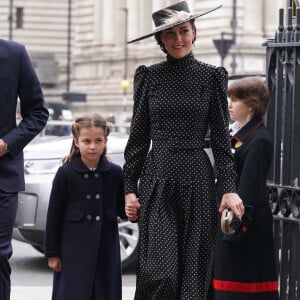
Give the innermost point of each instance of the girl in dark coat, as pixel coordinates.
(175, 102)
(245, 260)
(82, 238)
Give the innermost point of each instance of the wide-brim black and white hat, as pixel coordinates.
(171, 16)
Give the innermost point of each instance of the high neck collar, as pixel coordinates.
(186, 60)
(248, 129)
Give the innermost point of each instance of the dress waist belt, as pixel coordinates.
(177, 140)
(178, 144)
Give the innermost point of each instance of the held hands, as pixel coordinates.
(234, 202)
(54, 263)
(3, 149)
(132, 207)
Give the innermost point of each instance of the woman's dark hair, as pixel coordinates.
(253, 92)
(160, 43)
(86, 121)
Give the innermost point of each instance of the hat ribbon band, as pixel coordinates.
(174, 17)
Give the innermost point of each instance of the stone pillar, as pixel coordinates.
(252, 20)
(157, 4)
(134, 22)
(271, 16)
(140, 15)
(104, 21)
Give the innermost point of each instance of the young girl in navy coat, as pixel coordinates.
(82, 240)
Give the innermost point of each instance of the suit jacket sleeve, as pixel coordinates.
(33, 109)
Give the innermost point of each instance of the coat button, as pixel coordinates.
(97, 196)
(96, 175)
(88, 197)
(89, 217)
(86, 175)
(97, 218)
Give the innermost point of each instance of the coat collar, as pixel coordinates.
(245, 132)
(79, 166)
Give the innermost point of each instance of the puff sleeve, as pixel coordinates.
(219, 126)
(139, 138)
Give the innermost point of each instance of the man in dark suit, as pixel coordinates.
(17, 80)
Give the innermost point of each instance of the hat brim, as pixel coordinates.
(167, 26)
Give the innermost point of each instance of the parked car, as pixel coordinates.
(42, 158)
(59, 111)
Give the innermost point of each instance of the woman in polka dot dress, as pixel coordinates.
(172, 182)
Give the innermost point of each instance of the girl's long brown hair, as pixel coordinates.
(86, 121)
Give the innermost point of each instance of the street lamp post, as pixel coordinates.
(10, 20)
(233, 26)
(125, 43)
(69, 46)
(125, 85)
(223, 45)
(125, 82)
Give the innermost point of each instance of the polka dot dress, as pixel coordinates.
(175, 102)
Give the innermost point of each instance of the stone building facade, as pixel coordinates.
(78, 46)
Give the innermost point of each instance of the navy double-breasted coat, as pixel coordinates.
(82, 229)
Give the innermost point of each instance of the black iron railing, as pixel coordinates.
(283, 79)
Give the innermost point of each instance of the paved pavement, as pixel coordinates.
(44, 293)
(32, 279)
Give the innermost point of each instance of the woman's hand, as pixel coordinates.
(54, 263)
(132, 207)
(234, 202)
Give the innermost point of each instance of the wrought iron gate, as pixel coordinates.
(283, 79)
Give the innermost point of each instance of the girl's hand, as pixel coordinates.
(234, 202)
(2, 148)
(132, 207)
(54, 263)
